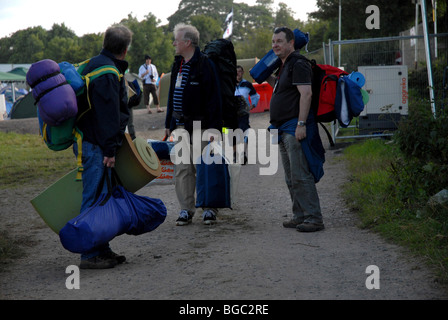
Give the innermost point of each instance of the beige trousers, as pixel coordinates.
(185, 183)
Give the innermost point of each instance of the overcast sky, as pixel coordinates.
(93, 16)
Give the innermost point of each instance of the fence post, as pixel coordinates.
(428, 58)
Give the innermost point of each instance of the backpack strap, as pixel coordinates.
(91, 76)
(78, 140)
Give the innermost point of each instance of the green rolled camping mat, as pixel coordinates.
(365, 96)
(61, 201)
(137, 164)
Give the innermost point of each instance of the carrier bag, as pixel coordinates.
(114, 213)
(212, 181)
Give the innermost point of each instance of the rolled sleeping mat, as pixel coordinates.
(162, 148)
(365, 96)
(358, 78)
(137, 164)
(62, 200)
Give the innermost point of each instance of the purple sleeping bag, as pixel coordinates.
(55, 98)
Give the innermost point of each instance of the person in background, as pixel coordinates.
(148, 74)
(246, 90)
(103, 129)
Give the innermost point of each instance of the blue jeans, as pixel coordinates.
(300, 182)
(92, 161)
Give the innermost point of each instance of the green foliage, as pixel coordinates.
(208, 28)
(149, 39)
(378, 195)
(422, 170)
(354, 17)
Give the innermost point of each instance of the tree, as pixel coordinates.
(148, 39)
(216, 9)
(27, 45)
(89, 46)
(285, 17)
(209, 28)
(61, 31)
(62, 49)
(354, 17)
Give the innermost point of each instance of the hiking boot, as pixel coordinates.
(184, 218)
(98, 262)
(112, 255)
(310, 227)
(209, 217)
(293, 223)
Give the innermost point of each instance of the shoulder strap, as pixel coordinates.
(91, 76)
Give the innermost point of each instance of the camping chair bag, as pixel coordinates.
(212, 181)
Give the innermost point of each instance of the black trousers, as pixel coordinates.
(150, 89)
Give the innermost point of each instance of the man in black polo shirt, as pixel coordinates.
(290, 114)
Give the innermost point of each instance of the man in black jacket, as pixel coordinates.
(103, 129)
(194, 96)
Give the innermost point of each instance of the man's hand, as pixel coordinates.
(109, 162)
(300, 133)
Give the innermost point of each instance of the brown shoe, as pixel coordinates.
(112, 255)
(310, 227)
(293, 223)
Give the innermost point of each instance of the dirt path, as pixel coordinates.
(247, 255)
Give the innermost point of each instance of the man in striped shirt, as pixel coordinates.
(194, 96)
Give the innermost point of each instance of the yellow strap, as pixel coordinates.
(78, 138)
(87, 77)
(44, 132)
(77, 65)
(94, 73)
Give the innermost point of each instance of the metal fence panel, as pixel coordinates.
(396, 78)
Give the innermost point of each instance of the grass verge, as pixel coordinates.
(25, 160)
(371, 193)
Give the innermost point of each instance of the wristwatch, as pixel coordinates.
(301, 123)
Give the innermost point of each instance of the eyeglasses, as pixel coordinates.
(178, 40)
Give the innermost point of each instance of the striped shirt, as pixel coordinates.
(178, 94)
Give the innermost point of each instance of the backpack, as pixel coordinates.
(56, 88)
(325, 87)
(222, 53)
